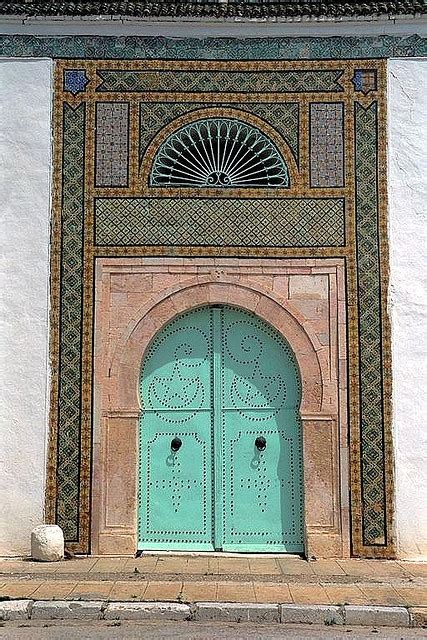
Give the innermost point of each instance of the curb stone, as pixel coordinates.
(362, 615)
(377, 616)
(15, 609)
(67, 610)
(311, 614)
(236, 612)
(147, 611)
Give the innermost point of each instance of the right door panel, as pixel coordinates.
(262, 497)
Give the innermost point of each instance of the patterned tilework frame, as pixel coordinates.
(112, 142)
(72, 230)
(371, 503)
(371, 361)
(327, 144)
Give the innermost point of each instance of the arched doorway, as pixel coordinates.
(220, 436)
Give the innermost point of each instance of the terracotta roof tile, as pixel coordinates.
(214, 8)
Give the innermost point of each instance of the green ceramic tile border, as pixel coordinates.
(289, 48)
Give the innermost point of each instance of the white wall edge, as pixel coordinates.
(407, 300)
(26, 141)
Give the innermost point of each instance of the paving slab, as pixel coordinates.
(128, 591)
(356, 567)
(345, 594)
(415, 596)
(272, 592)
(387, 569)
(76, 565)
(236, 592)
(213, 566)
(382, 594)
(198, 566)
(416, 569)
(228, 566)
(22, 589)
(193, 591)
(109, 565)
(172, 565)
(327, 567)
(264, 567)
(157, 590)
(92, 590)
(295, 567)
(144, 565)
(28, 567)
(54, 590)
(308, 594)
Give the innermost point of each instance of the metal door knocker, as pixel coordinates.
(260, 443)
(176, 444)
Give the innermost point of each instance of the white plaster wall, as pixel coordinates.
(408, 297)
(25, 151)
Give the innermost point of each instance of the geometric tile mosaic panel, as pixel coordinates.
(68, 469)
(274, 222)
(316, 216)
(284, 117)
(155, 116)
(370, 344)
(326, 144)
(161, 48)
(112, 131)
(206, 81)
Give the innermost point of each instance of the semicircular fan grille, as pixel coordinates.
(219, 152)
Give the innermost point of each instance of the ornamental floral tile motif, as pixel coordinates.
(324, 123)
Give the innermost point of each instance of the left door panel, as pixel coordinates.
(176, 434)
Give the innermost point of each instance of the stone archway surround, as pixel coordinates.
(302, 299)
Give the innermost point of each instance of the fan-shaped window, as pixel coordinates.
(219, 152)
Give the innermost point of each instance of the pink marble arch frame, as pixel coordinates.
(130, 312)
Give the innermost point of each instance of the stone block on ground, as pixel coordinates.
(236, 612)
(311, 614)
(15, 609)
(64, 610)
(47, 543)
(376, 616)
(147, 611)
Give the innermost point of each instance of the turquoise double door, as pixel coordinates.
(220, 437)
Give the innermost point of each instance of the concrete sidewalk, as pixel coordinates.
(278, 580)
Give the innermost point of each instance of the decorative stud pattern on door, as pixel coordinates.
(220, 436)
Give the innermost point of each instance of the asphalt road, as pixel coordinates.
(192, 631)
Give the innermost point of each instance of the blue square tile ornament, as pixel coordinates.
(75, 81)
